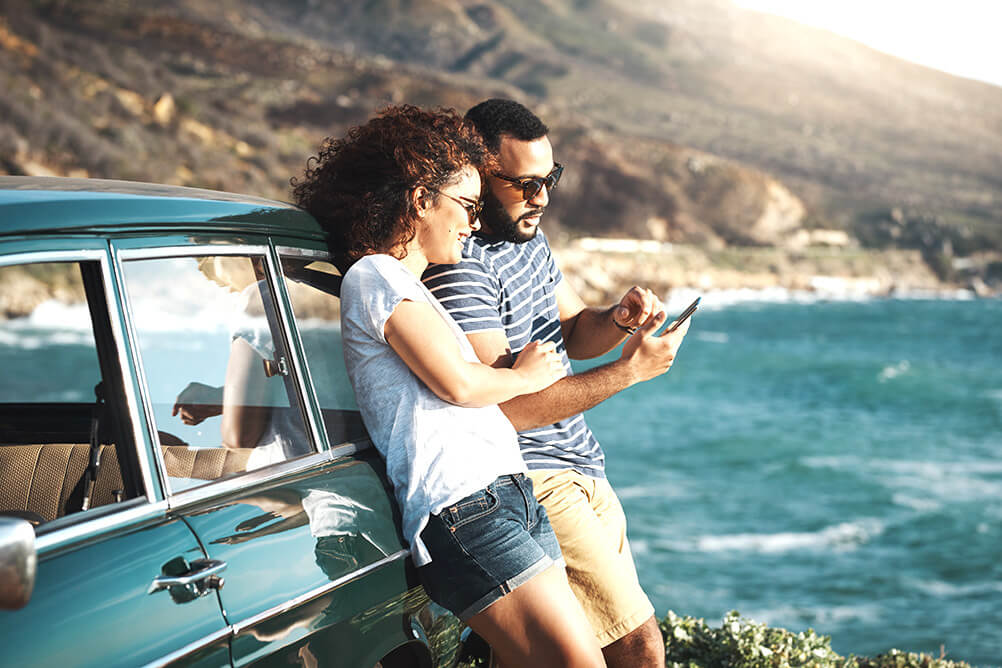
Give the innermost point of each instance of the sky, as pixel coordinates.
(960, 36)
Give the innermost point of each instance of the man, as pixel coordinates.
(508, 291)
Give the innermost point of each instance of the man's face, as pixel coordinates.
(507, 214)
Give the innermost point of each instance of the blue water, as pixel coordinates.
(832, 465)
(829, 465)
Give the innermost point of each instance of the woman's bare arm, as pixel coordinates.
(417, 333)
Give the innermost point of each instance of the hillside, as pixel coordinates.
(688, 121)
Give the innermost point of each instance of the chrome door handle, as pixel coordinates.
(199, 580)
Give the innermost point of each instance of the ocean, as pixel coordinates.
(822, 464)
(832, 465)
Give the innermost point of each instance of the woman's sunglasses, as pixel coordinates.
(532, 185)
(473, 208)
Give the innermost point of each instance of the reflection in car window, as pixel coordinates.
(313, 287)
(217, 369)
(58, 440)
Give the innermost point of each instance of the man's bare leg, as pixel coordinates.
(643, 647)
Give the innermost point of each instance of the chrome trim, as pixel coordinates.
(206, 569)
(336, 450)
(18, 562)
(115, 296)
(214, 488)
(303, 252)
(197, 249)
(190, 648)
(29, 257)
(70, 536)
(290, 330)
(137, 361)
(345, 449)
(302, 599)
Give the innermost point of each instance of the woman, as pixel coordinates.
(396, 194)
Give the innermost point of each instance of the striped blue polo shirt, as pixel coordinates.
(512, 287)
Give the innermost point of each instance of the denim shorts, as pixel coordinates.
(487, 544)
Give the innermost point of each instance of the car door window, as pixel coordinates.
(313, 285)
(216, 366)
(61, 412)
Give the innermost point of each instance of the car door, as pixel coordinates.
(120, 582)
(315, 566)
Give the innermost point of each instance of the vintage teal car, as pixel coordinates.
(184, 476)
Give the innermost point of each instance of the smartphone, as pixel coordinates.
(689, 310)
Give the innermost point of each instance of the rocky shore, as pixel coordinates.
(601, 270)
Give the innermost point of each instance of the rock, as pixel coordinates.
(164, 109)
(979, 287)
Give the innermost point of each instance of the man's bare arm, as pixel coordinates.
(644, 356)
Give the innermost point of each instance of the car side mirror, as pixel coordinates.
(17, 562)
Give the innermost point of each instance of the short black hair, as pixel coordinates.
(496, 117)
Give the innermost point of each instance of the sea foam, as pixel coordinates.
(839, 537)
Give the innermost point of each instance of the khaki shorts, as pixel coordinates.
(591, 527)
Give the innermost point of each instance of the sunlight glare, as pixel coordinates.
(959, 37)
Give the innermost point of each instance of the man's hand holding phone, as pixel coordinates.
(649, 355)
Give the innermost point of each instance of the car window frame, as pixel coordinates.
(284, 249)
(65, 532)
(164, 247)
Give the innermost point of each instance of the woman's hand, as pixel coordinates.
(540, 364)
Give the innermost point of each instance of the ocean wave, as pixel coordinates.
(941, 589)
(713, 337)
(921, 504)
(923, 468)
(891, 372)
(679, 298)
(25, 338)
(824, 291)
(949, 481)
(840, 537)
(639, 546)
(53, 314)
(816, 615)
(659, 489)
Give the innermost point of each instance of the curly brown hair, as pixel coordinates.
(359, 187)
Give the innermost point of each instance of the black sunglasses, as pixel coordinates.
(533, 184)
(473, 208)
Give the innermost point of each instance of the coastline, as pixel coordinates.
(602, 270)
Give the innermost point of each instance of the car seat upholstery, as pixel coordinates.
(41, 479)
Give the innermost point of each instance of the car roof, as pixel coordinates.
(43, 205)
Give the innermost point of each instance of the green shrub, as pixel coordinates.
(742, 643)
(691, 643)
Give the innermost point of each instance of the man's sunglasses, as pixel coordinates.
(473, 208)
(532, 185)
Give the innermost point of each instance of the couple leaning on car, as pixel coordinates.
(464, 383)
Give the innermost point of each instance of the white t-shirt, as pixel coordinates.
(436, 452)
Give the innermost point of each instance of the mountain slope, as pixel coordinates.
(690, 120)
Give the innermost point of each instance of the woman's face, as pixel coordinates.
(447, 225)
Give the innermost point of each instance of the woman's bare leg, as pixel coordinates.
(540, 623)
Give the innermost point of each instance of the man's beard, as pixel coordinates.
(498, 223)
